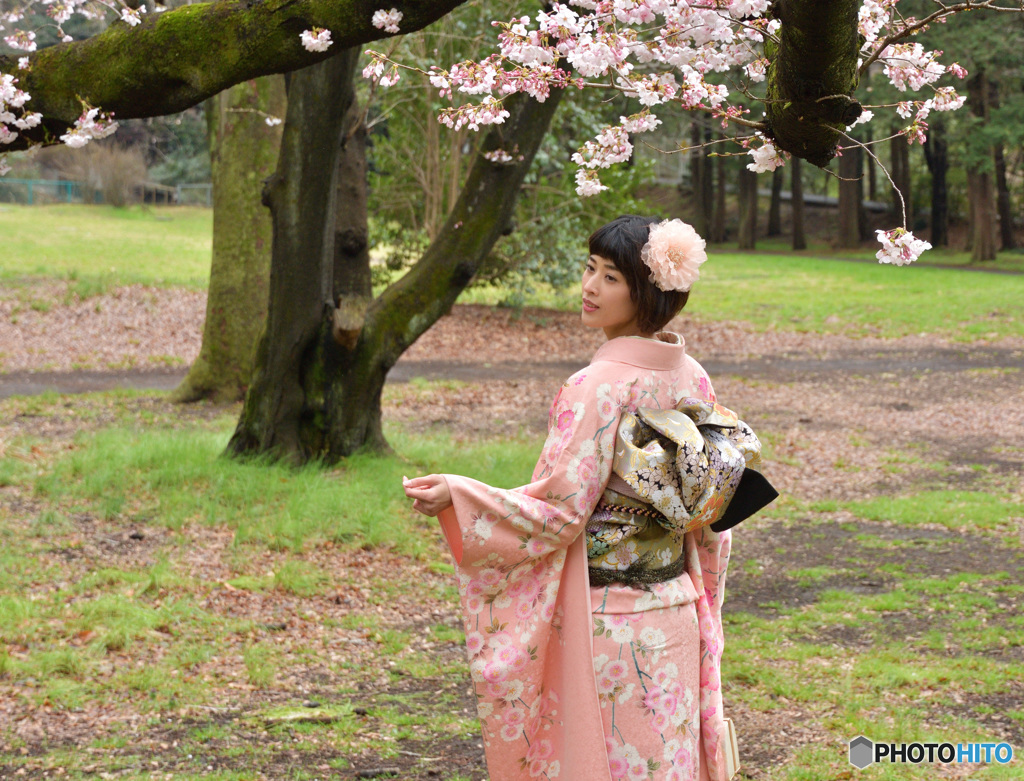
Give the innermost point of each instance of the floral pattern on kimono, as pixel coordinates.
(522, 575)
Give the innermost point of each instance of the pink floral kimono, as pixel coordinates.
(575, 682)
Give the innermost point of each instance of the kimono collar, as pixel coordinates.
(667, 350)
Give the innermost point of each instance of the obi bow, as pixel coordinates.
(697, 465)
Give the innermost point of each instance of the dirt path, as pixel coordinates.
(782, 367)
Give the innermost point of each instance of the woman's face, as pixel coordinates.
(606, 300)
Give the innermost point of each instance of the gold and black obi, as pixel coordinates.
(673, 471)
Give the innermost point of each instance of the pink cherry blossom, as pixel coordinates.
(133, 16)
(23, 40)
(316, 40)
(766, 158)
(387, 20)
(899, 247)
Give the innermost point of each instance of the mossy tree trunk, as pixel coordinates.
(280, 410)
(243, 152)
(328, 345)
(812, 72)
(408, 307)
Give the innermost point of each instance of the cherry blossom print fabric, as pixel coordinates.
(522, 574)
(647, 665)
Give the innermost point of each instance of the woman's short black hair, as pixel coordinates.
(620, 241)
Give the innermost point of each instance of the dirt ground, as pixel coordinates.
(835, 413)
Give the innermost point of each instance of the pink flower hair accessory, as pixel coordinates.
(674, 253)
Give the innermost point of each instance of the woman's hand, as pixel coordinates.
(430, 494)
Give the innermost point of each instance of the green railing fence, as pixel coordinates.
(32, 192)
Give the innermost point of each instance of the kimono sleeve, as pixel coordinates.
(511, 548)
(512, 527)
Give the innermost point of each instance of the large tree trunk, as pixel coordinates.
(243, 152)
(811, 74)
(936, 155)
(849, 198)
(408, 307)
(700, 179)
(775, 207)
(328, 347)
(747, 209)
(900, 173)
(979, 178)
(797, 195)
(1003, 203)
(280, 412)
(718, 216)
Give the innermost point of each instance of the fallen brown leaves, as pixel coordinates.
(829, 435)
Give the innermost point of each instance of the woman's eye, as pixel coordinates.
(610, 278)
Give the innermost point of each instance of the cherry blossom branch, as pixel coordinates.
(944, 11)
(899, 245)
(702, 145)
(903, 205)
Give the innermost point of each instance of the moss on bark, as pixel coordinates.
(243, 153)
(811, 75)
(282, 414)
(179, 58)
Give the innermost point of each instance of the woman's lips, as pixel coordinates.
(588, 307)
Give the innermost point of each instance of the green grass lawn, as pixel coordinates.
(942, 256)
(797, 293)
(165, 246)
(809, 294)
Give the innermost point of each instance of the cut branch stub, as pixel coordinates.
(811, 77)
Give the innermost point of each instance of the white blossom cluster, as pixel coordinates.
(13, 99)
(316, 40)
(387, 20)
(92, 124)
(899, 247)
(766, 158)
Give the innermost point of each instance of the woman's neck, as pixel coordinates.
(615, 333)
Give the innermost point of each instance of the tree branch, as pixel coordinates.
(483, 212)
(179, 58)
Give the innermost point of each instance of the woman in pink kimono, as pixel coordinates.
(592, 595)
